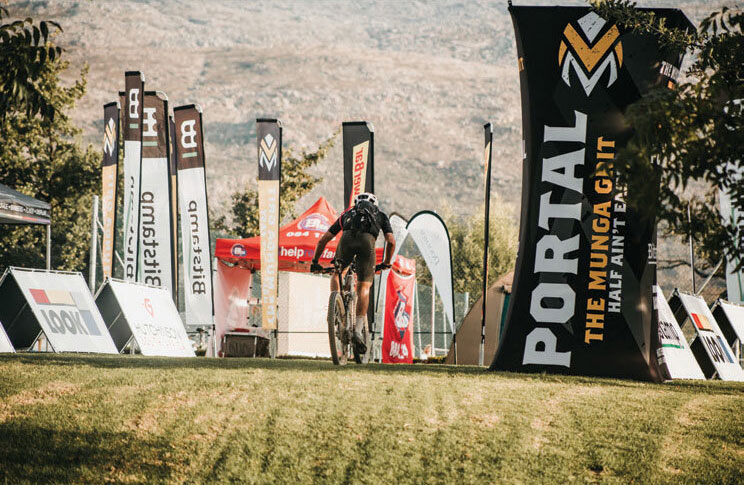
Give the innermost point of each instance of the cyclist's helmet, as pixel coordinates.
(368, 197)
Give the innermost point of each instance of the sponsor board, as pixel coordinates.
(152, 318)
(582, 298)
(710, 336)
(5, 345)
(65, 311)
(730, 318)
(675, 356)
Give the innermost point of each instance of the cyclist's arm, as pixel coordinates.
(326, 238)
(389, 248)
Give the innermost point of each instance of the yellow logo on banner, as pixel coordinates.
(590, 58)
(109, 137)
(268, 152)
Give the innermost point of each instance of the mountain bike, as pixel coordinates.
(342, 316)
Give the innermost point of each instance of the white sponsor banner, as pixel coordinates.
(673, 353)
(430, 235)
(735, 315)
(192, 201)
(64, 308)
(153, 319)
(132, 154)
(5, 345)
(154, 266)
(734, 279)
(709, 333)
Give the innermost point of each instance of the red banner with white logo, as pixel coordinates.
(397, 339)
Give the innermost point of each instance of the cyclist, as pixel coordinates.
(361, 224)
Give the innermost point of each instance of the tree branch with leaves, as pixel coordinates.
(295, 183)
(693, 131)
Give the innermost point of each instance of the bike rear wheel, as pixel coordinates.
(336, 321)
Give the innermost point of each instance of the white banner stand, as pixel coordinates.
(674, 354)
(5, 345)
(54, 305)
(145, 316)
(709, 346)
(730, 317)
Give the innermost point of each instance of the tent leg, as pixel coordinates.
(49, 246)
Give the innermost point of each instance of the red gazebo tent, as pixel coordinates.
(297, 241)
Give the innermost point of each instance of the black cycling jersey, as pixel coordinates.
(383, 222)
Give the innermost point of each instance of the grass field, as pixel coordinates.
(130, 419)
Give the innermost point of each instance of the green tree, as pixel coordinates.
(40, 154)
(25, 54)
(296, 182)
(694, 131)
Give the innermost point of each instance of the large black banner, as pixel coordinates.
(359, 159)
(359, 173)
(582, 297)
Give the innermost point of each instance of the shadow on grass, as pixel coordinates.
(310, 365)
(38, 454)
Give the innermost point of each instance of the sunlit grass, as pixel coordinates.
(132, 419)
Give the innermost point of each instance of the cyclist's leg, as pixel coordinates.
(344, 254)
(362, 306)
(365, 264)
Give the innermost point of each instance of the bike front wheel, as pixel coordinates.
(336, 318)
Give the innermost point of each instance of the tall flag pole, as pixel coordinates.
(155, 265)
(134, 82)
(109, 178)
(359, 174)
(269, 138)
(487, 152)
(192, 203)
(173, 190)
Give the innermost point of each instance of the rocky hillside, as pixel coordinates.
(426, 74)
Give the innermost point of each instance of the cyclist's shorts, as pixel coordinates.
(361, 245)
